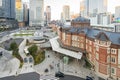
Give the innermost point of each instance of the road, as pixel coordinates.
(35, 76)
(68, 77)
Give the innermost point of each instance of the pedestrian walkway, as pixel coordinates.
(71, 69)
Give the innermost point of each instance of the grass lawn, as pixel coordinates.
(23, 34)
(39, 57)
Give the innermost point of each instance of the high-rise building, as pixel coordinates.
(84, 8)
(25, 13)
(93, 7)
(48, 14)
(117, 12)
(36, 13)
(7, 9)
(19, 10)
(19, 13)
(66, 12)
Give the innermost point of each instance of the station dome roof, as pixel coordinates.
(81, 19)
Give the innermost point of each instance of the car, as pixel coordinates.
(59, 74)
(88, 78)
(46, 70)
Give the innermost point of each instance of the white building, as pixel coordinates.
(102, 19)
(48, 14)
(92, 7)
(117, 12)
(66, 12)
(36, 15)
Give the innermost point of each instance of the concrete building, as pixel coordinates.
(7, 9)
(25, 13)
(91, 7)
(66, 12)
(116, 27)
(36, 15)
(97, 6)
(96, 11)
(48, 14)
(73, 16)
(101, 19)
(7, 15)
(19, 13)
(84, 8)
(109, 28)
(117, 12)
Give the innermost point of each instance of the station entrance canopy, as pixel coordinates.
(56, 47)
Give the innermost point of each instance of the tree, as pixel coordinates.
(13, 46)
(33, 50)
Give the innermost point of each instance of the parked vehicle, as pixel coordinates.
(88, 78)
(59, 74)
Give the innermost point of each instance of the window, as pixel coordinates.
(74, 38)
(97, 48)
(97, 42)
(72, 43)
(81, 45)
(90, 42)
(102, 42)
(113, 71)
(75, 44)
(90, 49)
(86, 47)
(108, 59)
(97, 56)
(86, 41)
(108, 50)
(113, 59)
(108, 43)
(64, 36)
(113, 51)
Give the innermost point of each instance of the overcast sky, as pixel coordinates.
(56, 6)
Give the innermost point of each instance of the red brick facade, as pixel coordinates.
(103, 54)
(97, 51)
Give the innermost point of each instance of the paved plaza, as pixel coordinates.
(52, 59)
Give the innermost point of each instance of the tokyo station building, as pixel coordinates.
(101, 48)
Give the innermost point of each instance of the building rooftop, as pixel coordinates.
(81, 19)
(114, 37)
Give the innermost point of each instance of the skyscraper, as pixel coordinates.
(7, 9)
(117, 12)
(84, 8)
(19, 10)
(36, 15)
(48, 14)
(66, 12)
(25, 13)
(93, 7)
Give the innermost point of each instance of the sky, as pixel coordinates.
(57, 5)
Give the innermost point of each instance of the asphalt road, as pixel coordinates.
(7, 43)
(28, 76)
(68, 77)
(35, 76)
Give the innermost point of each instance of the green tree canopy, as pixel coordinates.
(33, 49)
(13, 46)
